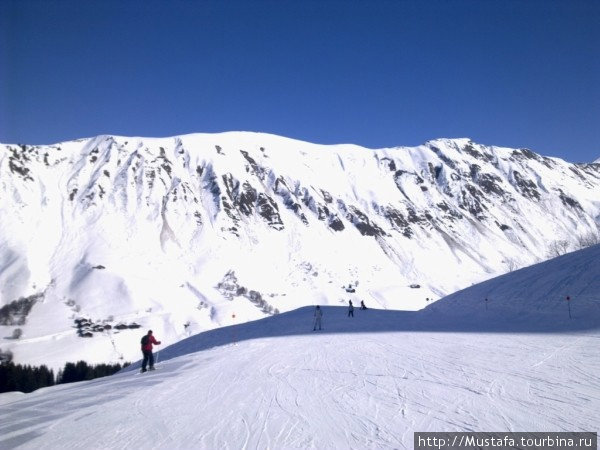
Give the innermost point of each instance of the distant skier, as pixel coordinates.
(362, 305)
(318, 316)
(147, 342)
(350, 309)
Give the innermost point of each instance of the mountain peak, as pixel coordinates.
(457, 141)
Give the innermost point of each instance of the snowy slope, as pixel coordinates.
(363, 382)
(195, 232)
(532, 297)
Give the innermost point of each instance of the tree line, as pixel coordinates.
(26, 378)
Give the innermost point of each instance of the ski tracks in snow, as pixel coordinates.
(323, 391)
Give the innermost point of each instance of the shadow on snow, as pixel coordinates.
(336, 321)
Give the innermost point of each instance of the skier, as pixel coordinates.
(318, 316)
(362, 305)
(350, 309)
(147, 342)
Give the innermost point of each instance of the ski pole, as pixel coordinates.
(156, 362)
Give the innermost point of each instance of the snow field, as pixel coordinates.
(322, 391)
(367, 382)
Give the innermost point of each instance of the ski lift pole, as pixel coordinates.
(233, 329)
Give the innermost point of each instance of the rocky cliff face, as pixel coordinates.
(192, 232)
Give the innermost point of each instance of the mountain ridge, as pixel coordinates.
(170, 138)
(198, 231)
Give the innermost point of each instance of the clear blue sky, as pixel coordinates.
(374, 73)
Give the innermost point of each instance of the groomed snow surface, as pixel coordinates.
(368, 382)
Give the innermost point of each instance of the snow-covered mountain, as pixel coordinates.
(517, 364)
(99, 236)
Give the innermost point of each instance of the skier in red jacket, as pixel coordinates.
(147, 342)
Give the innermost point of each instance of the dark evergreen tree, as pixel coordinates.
(82, 371)
(24, 378)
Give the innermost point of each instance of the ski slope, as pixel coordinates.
(326, 391)
(366, 382)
